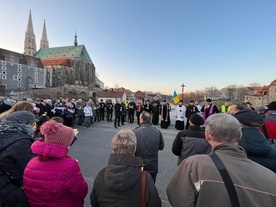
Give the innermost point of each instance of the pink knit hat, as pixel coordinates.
(57, 133)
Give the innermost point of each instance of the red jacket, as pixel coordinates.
(53, 179)
(269, 127)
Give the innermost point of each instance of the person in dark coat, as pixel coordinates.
(191, 109)
(149, 141)
(118, 110)
(257, 147)
(6, 105)
(131, 110)
(16, 137)
(155, 106)
(165, 115)
(123, 113)
(191, 141)
(120, 183)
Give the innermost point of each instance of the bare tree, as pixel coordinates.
(254, 84)
(241, 93)
(211, 92)
(231, 92)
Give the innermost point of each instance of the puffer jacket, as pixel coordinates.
(53, 179)
(120, 184)
(15, 153)
(190, 142)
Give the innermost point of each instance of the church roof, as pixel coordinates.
(69, 52)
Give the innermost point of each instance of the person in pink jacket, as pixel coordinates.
(52, 178)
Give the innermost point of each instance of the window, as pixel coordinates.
(14, 77)
(35, 81)
(19, 84)
(19, 70)
(4, 67)
(19, 79)
(19, 74)
(4, 76)
(35, 69)
(4, 63)
(4, 72)
(19, 66)
(35, 73)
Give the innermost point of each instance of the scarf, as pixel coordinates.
(208, 112)
(15, 127)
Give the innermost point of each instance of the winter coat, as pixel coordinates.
(120, 184)
(15, 153)
(190, 142)
(87, 111)
(258, 148)
(53, 179)
(198, 183)
(149, 142)
(269, 127)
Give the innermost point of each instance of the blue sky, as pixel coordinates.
(156, 45)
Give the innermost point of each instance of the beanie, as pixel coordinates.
(272, 105)
(57, 133)
(196, 119)
(249, 117)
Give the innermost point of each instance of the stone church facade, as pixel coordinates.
(68, 71)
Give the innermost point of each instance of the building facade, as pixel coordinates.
(20, 72)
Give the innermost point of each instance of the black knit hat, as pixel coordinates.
(196, 119)
(249, 117)
(272, 105)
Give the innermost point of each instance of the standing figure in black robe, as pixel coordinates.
(155, 107)
(165, 115)
(191, 109)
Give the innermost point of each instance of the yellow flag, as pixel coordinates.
(175, 97)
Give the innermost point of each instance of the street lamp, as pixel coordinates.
(182, 86)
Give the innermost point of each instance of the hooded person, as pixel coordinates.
(53, 178)
(16, 138)
(120, 182)
(257, 147)
(191, 141)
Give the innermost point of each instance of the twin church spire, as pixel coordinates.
(30, 43)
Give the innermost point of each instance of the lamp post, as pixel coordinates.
(182, 86)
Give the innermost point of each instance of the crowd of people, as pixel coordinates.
(36, 170)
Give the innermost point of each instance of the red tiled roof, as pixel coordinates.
(273, 83)
(140, 94)
(59, 61)
(110, 94)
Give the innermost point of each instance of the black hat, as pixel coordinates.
(164, 100)
(191, 101)
(196, 119)
(249, 117)
(272, 105)
(209, 100)
(180, 100)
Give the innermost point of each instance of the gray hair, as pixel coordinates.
(124, 142)
(146, 117)
(224, 128)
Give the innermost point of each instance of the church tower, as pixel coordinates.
(30, 44)
(76, 41)
(44, 44)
